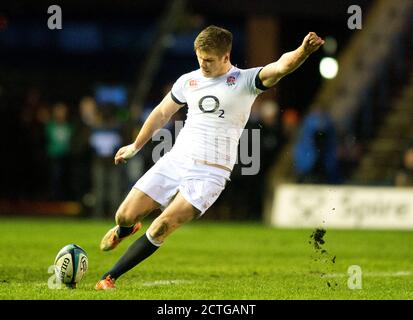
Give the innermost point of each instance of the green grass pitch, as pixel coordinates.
(210, 260)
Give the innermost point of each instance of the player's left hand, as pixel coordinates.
(312, 42)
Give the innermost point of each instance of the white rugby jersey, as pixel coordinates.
(218, 110)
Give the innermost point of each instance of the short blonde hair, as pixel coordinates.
(215, 39)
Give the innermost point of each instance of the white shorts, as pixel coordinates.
(199, 184)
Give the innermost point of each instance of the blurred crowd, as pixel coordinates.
(69, 152)
(63, 151)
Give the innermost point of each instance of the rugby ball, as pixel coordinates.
(71, 264)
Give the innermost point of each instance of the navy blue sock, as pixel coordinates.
(136, 253)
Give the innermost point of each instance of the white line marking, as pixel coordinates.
(165, 282)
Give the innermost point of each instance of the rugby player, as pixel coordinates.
(188, 179)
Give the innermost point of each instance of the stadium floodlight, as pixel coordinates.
(328, 67)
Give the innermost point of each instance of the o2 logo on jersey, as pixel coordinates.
(210, 104)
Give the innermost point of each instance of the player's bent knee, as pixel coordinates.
(125, 218)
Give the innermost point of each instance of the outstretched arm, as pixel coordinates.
(288, 62)
(156, 120)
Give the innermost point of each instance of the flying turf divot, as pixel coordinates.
(317, 240)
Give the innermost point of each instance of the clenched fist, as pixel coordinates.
(312, 42)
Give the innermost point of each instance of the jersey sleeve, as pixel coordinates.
(254, 82)
(177, 91)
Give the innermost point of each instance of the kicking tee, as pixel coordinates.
(218, 110)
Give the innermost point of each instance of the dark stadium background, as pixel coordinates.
(103, 43)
